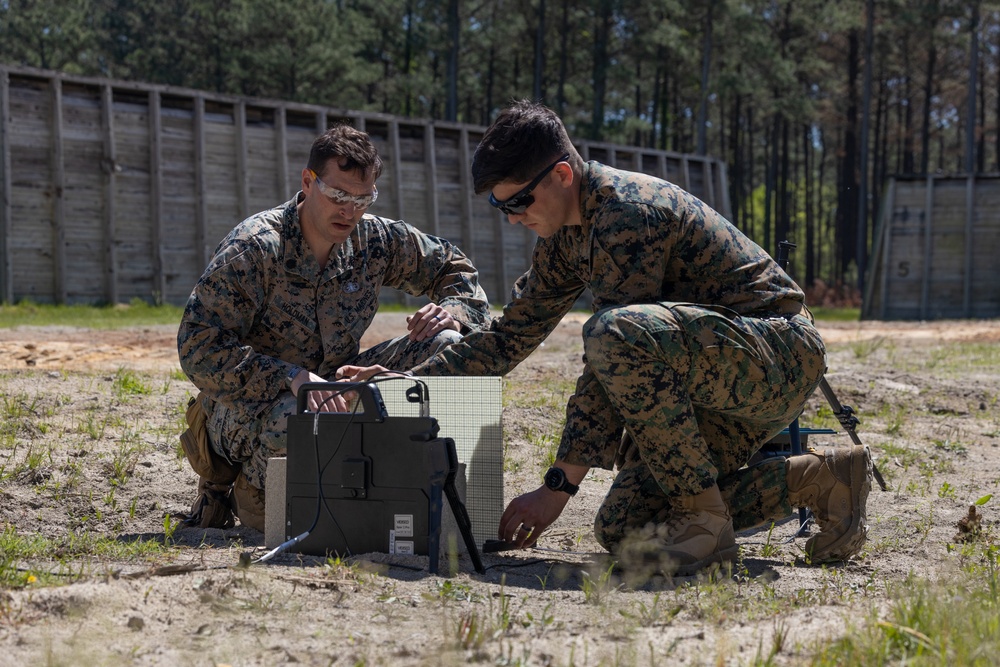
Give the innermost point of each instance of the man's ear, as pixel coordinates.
(307, 179)
(564, 172)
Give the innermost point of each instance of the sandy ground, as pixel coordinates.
(110, 468)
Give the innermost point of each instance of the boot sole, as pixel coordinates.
(855, 536)
(728, 555)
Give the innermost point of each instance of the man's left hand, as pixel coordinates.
(428, 321)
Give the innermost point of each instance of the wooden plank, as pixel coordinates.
(242, 178)
(200, 196)
(685, 174)
(925, 287)
(884, 240)
(111, 168)
(6, 195)
(397, 171)
(320, 122)
(970, 215)
(723, 205)
(281, 150)
(706, 170)
(156, 194)
(661, 166)
(465, 178)
(59, 203)
(430, 158)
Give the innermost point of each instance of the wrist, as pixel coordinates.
(557, 480)
(292, 374)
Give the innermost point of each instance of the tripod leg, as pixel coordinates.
(458, 509)
(795, 438)
(845, 415)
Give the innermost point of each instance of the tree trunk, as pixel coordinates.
(769, 185)
(847, 206)
(451, 106)
(862, 239)
(736, 193)
(782, 223)
(563, 60)
(602, 29)
(908, 157)
(810, 220)
(408, 58)
(539, 77)
(925, 133)
(637, 139)
(970, 119)
(706, 60)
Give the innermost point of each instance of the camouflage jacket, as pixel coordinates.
(643, 240)
(264, 306)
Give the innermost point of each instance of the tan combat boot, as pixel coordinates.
(835, 486)
(213, 507)
(249, 502)
(699, 533)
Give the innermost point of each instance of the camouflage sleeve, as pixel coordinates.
(425, 265)
(539, 299)
(219, 314)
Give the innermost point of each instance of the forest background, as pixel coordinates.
(812, 104)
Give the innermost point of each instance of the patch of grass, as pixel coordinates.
(836, 314)
(128, 383)
(945, 623)
(655, 614)
(865, 348)
(135, 313)
(544, 393)
(20, 553)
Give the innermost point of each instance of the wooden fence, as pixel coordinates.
(937, 250)
(112, 190)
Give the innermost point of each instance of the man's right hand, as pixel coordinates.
(321, 401)
(363, 373)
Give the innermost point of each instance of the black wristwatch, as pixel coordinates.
(555, 479)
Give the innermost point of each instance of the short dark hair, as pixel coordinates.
(350, 148)
(524, 139)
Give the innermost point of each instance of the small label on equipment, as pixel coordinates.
(404, 525)
(404, 547)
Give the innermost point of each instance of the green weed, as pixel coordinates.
(596, 590)
(127, 383)
(955, 623)
(135, 313)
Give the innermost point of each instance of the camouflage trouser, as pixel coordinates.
(254, 443)
(700, 390)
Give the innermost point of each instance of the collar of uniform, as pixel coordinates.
(299, 260)
(591, 181)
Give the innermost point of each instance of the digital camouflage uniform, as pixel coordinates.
(699, 347)
(263, 306)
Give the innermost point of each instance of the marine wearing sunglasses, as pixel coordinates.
(522, 199)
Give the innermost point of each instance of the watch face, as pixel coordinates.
(555, 478)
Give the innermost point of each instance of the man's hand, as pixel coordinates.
(364, 373)
(527, 516)
(321, 401)
(428, 321)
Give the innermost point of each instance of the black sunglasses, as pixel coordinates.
(522, 199)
